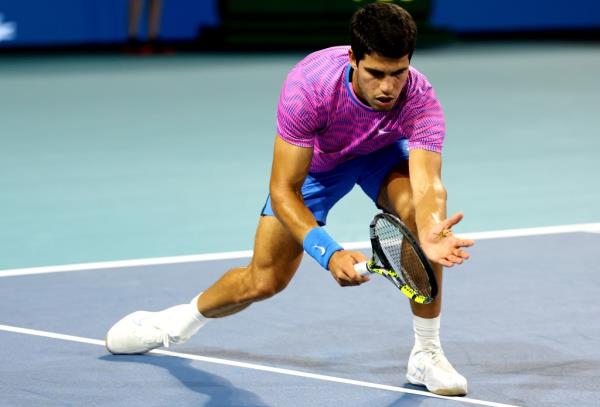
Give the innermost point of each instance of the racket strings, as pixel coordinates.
(413, 268)
(402, 257)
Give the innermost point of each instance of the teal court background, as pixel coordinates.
(109, 157)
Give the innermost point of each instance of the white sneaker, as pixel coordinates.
(136, 333)
(142, 331)
(431, 369)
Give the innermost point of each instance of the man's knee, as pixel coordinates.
(397, 198)
(267, 282)
(407, 212)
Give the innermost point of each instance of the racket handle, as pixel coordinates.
(361, 268)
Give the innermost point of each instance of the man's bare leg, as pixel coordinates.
(427, 364)
(275, 260)
(276, 257)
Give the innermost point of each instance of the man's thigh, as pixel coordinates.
(277, 254)
(395, 194)
(382, 163)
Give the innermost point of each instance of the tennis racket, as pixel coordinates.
(398, 257)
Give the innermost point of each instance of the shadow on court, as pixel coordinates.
(220, 391)
(406, 400)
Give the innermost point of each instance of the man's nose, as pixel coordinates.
(387, 85)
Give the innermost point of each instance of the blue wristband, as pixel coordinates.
(320, 246)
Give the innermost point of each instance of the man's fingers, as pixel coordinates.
(457, 251)
(351, 278)
(445, 263)
(462, 254)
(344, 281)
(349, 283)
(358, 257)
(357, 277)
(455, 259)
(453, 220)
(465, 242)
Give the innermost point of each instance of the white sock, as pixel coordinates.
(182, 321)
(427, 332)
(194, 304)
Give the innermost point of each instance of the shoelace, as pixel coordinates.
(159, 336)
(166, 340)
(436, 354)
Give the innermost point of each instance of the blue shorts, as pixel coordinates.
(322, 190)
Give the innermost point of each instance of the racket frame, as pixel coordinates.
(388, 271)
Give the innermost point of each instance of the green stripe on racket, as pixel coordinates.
(398, 257)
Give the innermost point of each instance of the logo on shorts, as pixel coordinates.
(320, 248)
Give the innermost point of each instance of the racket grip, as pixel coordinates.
(361, 268)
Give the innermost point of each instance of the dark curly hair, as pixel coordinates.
(383, 28)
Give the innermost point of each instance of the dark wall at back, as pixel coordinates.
(292, 23)
(284, 23)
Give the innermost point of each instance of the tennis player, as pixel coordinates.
(346, 116)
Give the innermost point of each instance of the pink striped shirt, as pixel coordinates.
(318, 109)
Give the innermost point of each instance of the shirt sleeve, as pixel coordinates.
(296, 112)
(423, 120)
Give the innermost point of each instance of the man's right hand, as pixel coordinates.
(341, 266)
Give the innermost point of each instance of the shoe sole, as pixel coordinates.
(451, 391)
(107, 348)
(106, 344)
(123, 353)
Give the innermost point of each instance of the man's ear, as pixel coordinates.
(352, 59)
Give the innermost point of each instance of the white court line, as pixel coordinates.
(262, 368)
(549, 230)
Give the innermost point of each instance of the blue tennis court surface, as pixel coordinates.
(520, 322)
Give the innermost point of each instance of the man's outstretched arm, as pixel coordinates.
(429, 194)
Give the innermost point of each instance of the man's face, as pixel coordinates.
(378, 80)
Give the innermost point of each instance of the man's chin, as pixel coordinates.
(382, 109)
(383, 106)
